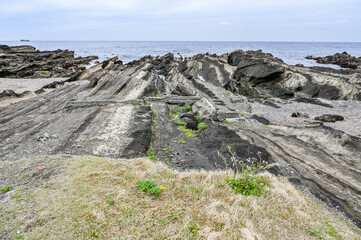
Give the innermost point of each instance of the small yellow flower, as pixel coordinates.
(228, 186)
(161, 187)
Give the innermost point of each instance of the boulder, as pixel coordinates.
(189, 118)
(300, 115)
(329, 118)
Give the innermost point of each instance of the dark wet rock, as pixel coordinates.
(277, 91)
(313, 101)
(300, 115)
(329, 118)
(28, 62)
(255, 67)
(321, 91)
(190, 119)
(343, 60)
(268, 103)
(216, 137)
(11, 93)
(261, 119)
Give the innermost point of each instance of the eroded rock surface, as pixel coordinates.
(130, 110)
(28, 62)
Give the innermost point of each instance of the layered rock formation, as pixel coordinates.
(28, 62)
(343, 60)
(245, 98)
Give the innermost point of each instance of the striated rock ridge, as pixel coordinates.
(28, 62)
(130, 110)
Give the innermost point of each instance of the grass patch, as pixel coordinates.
(189, 133)
(153, 158)
(25, 175)
(187, 107)
(202, 126)
(70, 205)
(6, 189)
(175, 110)
(180, 123)
(150, 188)
(228, 122)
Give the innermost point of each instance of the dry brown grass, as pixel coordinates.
(71, 205)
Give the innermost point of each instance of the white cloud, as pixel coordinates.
(162, 7)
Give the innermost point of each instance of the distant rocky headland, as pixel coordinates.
(28, 62)
(343, 60)
(304, 120)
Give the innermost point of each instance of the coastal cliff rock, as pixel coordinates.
(343, 60)
(244, 100)
(28, 62)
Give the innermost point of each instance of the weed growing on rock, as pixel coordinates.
(175, 110)
(181, 141)
(228, 122)
(227, 95)
(188, 132)
(198, 117)
(245, 181)
(16, 196)
(150, 188)
(187, 107)
(202, 126)
(153, 158)
(180, 123)
(5, 189)
(25, 175)
(135, 103)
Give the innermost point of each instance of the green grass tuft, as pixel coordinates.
(202, 126)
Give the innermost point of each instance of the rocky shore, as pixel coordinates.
(305, 121)
(28, 62)
(343, 60)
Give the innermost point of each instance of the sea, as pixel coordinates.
(290, 52)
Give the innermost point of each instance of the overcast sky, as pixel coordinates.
(183, 20)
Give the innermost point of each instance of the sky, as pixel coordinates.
(181, 20)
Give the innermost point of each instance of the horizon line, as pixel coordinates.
(280, 41)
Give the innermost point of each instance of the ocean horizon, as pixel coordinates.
(290, 52)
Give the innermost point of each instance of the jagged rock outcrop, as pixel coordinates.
(28, 62)
(343, 60)
(131, 110)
